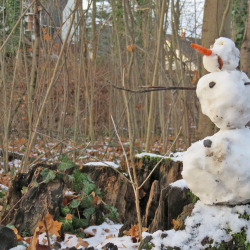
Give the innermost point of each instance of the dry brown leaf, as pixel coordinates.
(131, 48)
(34, 240)
(124, 246)
(82, 243)
(19, 238)
(107, 230)
(44, 241)
(53, 227)
(46, 37)
(95, 200)
(196, 76)
(69, 197)
(110, 236)
(134, 231)
(28, 240)
(69, 217)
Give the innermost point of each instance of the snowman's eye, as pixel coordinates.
(211, 84)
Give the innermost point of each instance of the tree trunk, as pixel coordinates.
(245, 48)
(155, 77)
(214, 21)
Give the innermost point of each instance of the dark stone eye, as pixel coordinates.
(207, 143)
(211, 84)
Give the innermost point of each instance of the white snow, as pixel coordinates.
(70, 240)
(108, 232)
(227, 103)
(19, 248)
(3, 187)
(224, 48)
(180, 184)
(43, 240)
(175, 157)
(221, 173)
(68, 192)
(105, 163)
(205, 221)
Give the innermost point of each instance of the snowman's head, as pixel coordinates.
(227, 52)
(222, 55)
(226, 49)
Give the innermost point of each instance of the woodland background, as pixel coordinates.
(62, 76)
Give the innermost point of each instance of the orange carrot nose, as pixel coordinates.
(203, 50)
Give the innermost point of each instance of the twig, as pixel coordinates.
(157, 88)
(153, 89)
(11, 209)
(124, 152)
(47, 233)
(160, 160)
(16, 25)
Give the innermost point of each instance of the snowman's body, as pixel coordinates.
(217, 169)
(224, 98)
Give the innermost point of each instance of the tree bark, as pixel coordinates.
(245, 48)
(155, 77)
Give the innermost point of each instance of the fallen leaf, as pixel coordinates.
(69, 217)
(19, 238)
(95, 200)
(53, 227)
(34, 240)
(44, 241)
(82, 243)
(110, 236)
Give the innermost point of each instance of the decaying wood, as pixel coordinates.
(118, 192)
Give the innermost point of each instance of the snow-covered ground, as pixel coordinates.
(215, 222)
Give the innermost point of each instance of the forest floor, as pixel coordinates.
(105, 151)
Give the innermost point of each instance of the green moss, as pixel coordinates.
(238, 242)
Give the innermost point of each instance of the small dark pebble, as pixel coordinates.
(164, 235)
(211, 84)
(56, 246)
(207, 143)
(110, 246)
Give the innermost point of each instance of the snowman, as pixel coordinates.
(217, 168)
